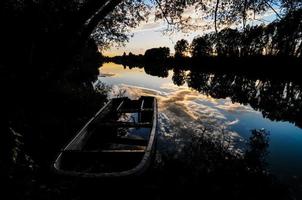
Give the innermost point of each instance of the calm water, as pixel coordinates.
(189, 101)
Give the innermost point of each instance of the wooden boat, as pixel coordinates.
(118, 141)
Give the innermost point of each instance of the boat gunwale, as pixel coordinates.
(138, 169)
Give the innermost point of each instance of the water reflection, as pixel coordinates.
(191, 101)
(277, 100)
(156, 70)
(179, 77)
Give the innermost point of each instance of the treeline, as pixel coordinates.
(281, 38)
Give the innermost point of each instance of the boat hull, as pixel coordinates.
(126, 130)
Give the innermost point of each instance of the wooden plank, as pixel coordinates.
(123, 151)
(147, 109)
(125, 124)
(142, 104)
(129, 110)
(105, 151)
(130, 141)
(120, 105)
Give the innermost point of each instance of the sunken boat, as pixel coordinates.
(118, 141)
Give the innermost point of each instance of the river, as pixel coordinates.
(189, 101)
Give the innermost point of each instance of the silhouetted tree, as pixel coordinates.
(253, 41)
(181, 48)
(288, 34)
(279, 38)
(157, 54)
(200, 47)
(227, 42)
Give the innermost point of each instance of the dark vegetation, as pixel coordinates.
(47, 64)
(279, 38)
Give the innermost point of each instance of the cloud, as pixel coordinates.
(182, 116)
(150, 26)
(107, 74)
(236, 121)
(234, 107)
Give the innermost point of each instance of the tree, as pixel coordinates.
(223, 13)
(200, 47)
(56, 30)
(253, 41)
(114, 28)
(228, 42)
(181, 48)
(157, 54)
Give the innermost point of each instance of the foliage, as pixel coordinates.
(157, 54)
(181, 48)
(223, 13)
(201, 46)
(114, 28)
(280, 38)
(227, 43)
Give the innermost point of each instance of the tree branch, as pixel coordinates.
(215, 15)
(271, 7)
(244, 14)
(97, 17)
(162, 10)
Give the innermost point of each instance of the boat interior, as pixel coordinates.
(115, 140)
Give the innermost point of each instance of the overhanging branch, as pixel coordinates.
(272, 8)
(215, 15)
(98, 16)
(164, 13)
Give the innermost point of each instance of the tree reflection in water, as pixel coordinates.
(156, 70)
(204, 167)
(277, 100)
(179, 77)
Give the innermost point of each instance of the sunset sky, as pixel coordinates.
(150, 34)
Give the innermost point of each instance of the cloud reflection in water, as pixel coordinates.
(183, 112)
